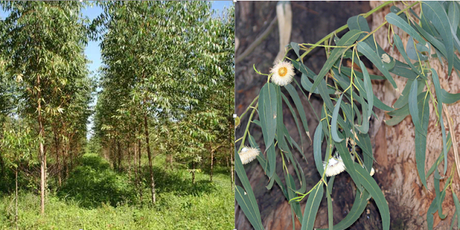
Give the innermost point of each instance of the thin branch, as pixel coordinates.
(257, 41)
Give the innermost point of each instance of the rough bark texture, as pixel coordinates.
(395, 146)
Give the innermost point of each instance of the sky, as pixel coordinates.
(93, 51)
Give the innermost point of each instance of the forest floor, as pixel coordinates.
(96, 197)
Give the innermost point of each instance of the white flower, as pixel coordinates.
(248, 154)
(283, 73)
(372, 172)
(334, 166)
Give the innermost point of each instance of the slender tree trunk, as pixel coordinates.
(2, 166)
(113, 155)
(119, 155)
(139, 168)
(152, 184)
(130, 159)
(16, 198)
(56, 149)
(231, 167)
(42, 154)
(193, 172)
(211, 160)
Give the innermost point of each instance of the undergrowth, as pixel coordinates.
(96, 197)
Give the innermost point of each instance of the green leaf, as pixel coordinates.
(267, 113)
(371, 186)
(357, 209)
(295, 206)
(263, 162)
(401, 50)
(298, 104)
(376, 60)
(457, 208)
(379, 104)
(348, 39)
(420, 140)
(414, 51)
(335, 114)
(449, 98)
(271, 155)
(403, 70)
(247, 200)
(404, 97)
(295, 47)
(437, 15)
(346, 158)
(244, 202)
(413, 109)
(368, 88)
(454, 18)
(330, 211)
(311, 208)
(394, 19)
(317, 141)
(296, 121)
(437, 87)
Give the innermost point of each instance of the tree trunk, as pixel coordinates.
(139, 167)
(130, 159)
(113, 155)
(211, 161)
(16, 197)
(193, 172)
(42, 153)
(152, 181)
(2, 167)
(119, 156)
(56, 149)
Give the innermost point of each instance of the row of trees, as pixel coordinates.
(167, 83)
(47, 88)
(165, 87)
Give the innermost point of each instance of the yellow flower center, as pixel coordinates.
(282, 71)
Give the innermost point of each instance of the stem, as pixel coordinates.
(250, 106)
(247, 128)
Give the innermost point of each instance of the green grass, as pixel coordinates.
(180, 204)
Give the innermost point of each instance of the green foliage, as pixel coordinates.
(177, 207)
(94, 183)
(345, 125)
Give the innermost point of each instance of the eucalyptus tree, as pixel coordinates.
(148, 49)
(45, 42)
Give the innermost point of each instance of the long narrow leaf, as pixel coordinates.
(311, 208)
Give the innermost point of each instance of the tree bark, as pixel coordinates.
(152, 181)
(56, 149)
(16, 197)
(42, 154)
(139, 168)
(130, 159)
(211, 161)
(119, 156)
(193, 172)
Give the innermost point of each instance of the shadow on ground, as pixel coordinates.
(94, 182)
